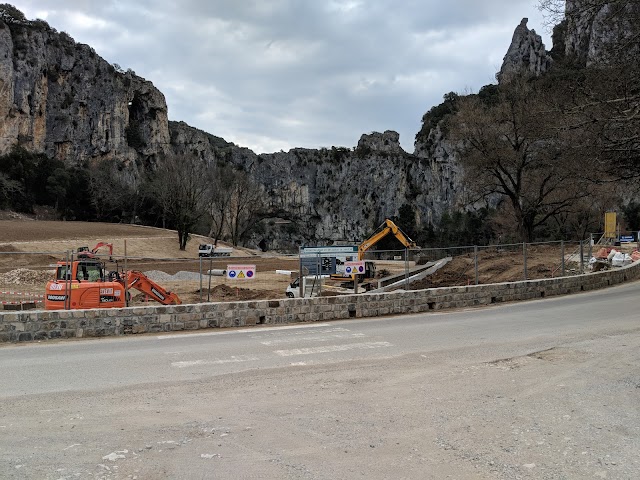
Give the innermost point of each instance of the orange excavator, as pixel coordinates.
(85, 283)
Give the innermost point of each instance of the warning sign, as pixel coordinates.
(241, 272)
(354, 268)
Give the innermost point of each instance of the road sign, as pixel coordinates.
(626, 238)
(241, 272)
(354, 268)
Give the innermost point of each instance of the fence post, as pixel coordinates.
(475, 261)
(67, 284)
(300, 276)
(319, 274)
(590, 245)
(581, 257)
(524, 255)
(200, 278)
(406, 266)
(126, 282)
(209, 281)
(562, 253)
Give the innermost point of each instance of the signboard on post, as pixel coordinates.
(318, 265)
(241, 272)
(354, 268)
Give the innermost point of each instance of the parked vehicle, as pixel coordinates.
(210, 250)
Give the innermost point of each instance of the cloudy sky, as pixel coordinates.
(276, 74)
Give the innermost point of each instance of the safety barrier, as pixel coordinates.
(32, 300)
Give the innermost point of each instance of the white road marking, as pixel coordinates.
(218, 361)
(247, 330)
(332, 348)
(275, 333)
(312, 339)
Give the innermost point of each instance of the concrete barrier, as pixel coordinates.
(35, 325)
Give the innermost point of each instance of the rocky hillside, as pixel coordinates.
(60, 98)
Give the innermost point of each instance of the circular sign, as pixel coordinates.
(249, 273)
(232, 274)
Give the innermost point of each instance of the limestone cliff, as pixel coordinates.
(593, 29)
(526, 54)
(59, 97)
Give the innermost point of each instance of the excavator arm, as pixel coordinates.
(84, 252)
(144, 284)
(385, 229)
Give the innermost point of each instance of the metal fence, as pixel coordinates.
(24, 274)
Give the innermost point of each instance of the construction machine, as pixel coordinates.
(387, 227)
(382, 231)
(84, 252)
(86, 283)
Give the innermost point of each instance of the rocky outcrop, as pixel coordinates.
(526, 55)
(593, 29)
(59, 97)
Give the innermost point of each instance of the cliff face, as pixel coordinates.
(338, 193)
(594, 28)
(526, 54)
(60, 98)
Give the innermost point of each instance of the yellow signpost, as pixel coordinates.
(610, 225)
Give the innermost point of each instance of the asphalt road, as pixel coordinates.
(541, 389)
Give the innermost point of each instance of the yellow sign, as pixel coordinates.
(610, 225)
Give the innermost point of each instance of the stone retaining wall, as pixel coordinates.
(42, 325)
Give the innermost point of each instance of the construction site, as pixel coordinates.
(69, 265)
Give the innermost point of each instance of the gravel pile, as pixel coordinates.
(24, 276)
(159, 276)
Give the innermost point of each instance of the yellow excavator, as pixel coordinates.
(382, 231)
(388, 227)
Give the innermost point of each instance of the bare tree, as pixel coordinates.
(511, 147)
(245, 208)
(221, 190)
(180, 184)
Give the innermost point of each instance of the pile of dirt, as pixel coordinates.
(225, 293)
(24, 276)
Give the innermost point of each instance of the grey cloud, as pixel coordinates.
(290, 73)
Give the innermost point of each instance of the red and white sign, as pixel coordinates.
(354, 268)
(241, 272)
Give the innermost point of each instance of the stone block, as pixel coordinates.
(25, 337)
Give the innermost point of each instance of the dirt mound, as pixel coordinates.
(225, 293)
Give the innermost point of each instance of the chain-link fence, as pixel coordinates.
(24, 274)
